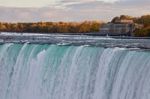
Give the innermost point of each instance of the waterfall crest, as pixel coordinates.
(32, 71)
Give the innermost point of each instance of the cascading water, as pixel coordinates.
(33, 71)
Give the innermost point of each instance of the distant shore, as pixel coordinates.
(123, 25)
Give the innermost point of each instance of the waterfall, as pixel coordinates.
(34, 71)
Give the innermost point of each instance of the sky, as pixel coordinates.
(70, 10)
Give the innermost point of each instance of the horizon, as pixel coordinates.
(70, 10)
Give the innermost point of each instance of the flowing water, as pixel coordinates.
(50, 71)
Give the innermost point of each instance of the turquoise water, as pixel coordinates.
(33, 71)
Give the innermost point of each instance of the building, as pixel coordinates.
(118, 27)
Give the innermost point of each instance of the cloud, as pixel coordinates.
(73, 10)
(84, 1)
(135, 2)
(27, 3)
(10, 14)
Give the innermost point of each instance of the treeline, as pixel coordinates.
(145, 30)
(122, 17)
(51, 27)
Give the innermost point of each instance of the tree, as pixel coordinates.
(115, 19)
